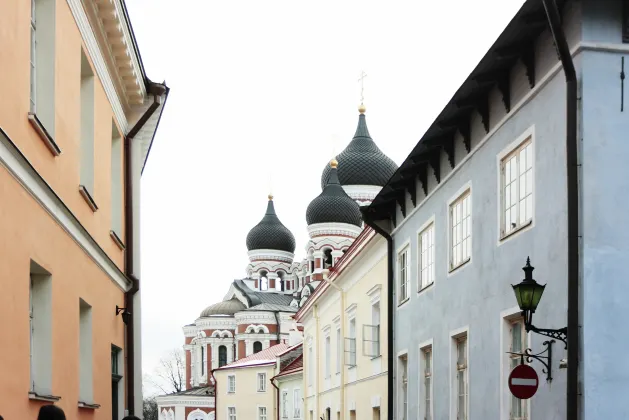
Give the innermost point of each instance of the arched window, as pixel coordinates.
(279, 286)
(257, 347)
(264, 281)
(203, 360)
(222, 356)
(327, 258)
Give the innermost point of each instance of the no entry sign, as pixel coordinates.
(523, 382)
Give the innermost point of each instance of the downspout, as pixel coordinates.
(157, 91)
(390, 311)
(315, 310)
(277, 397)
(572, 188)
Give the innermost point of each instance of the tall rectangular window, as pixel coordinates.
(86, 359)
(284, 404)
(261, 413)
(518, 345)
(516, 170)
(427, 373)
(297, 403)
(402, 271)
(371, 333)
(461, 377)
(116, 181)
(261, 382)
(42, 63)
(350, 344)
(203, 359)
(403, 372)
(327, 356)
(310, 365)
(427, 256)
(116, 376)
(338, 349)
(231, 413)
(40, 315)
(87, 126)
(460, 230)
(231, 384)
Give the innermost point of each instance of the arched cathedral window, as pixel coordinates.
(327, 258)
(280, 284)
(222, 356)
(264, 281)
(257, 347)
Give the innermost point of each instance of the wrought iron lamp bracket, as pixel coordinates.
(547, 361)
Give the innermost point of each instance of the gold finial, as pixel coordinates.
(362, 108)
(334, 163)
(270, 197)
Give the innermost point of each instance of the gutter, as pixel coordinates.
(157, 90)
(572, 189)
(390, 310)
(316, 370)
(277, 397)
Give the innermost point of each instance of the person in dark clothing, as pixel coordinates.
(51, 412)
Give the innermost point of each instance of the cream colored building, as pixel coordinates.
(345, 352)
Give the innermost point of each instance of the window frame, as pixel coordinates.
(261, 380)
(231, 384)
(425, 394)
(513, 151)
(513, 358)
(429, 224)
(261, 416)
(297, 403)
(402, 403)
(462, 194)
(464, 367)
(231, 416)
(285, 404)
(405, 252)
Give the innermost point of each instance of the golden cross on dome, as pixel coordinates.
(361, 79)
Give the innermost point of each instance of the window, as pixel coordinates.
(310, 365)
(461, 230)
(42, 63)
(231, 413)
(116, 181)
(518, 345)
(403, 275)
(261, 413)
(116, 389)
(327, 356)
(87, 126)
(517, 188)
(222, 356)
(338, 349)
(85, 353)
(461, 378)
(203, 359)
(284, 404)
(231, 384)
(40, 316)
(427, 256)
(261, 382)
(371, 333)
(403, 407)
(296, 403)
(33, 55)
(427, 353)
(257, 347)
(350, 344)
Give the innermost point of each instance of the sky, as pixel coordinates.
(263, 95)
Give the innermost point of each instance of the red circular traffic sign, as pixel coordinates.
(523, 382)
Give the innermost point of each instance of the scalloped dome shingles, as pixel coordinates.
(333, 205)
(362, 162)
(227, 307)
(270, 233)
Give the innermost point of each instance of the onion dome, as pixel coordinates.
(227, 307)
(270, 233)
(333, 205)
(362, 162)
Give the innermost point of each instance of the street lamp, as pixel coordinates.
(528, 293)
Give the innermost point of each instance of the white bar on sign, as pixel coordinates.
(525, 382)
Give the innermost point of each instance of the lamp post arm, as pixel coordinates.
(561, 334)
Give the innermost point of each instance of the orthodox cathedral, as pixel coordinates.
(257, 311)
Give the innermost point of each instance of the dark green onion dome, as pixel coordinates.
(270, 233)
(333, 205)
(227, 307)
(362, 162)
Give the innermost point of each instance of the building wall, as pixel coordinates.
(365, 384)
(476, 299)
(246, 399)
(290, 384)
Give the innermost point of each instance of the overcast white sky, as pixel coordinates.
(269, 89)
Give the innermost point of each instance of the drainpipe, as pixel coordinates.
(342, 322)
(215, 392)
(157, 91)
(316, 370)
(390, 310)
(277, 397)
(572, 188)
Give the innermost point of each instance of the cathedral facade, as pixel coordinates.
(257, 311)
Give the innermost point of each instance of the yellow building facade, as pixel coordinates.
(344, 350)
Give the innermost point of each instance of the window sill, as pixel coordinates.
(376, 357)
(423, 289)
(515, 230)
(403, 302)
(88, 198)
(88, 406)
(43, 134)
(114, 237)
(48, 398)
(461, 264)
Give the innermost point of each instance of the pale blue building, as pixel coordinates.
(484, 189)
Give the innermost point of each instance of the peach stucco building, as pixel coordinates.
(77, 119)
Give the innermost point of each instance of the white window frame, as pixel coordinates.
(426, 395)
(514, 361)
(427, 228)
(512, 151)
(285, 404)
(328, 353)
(261, 381)
(507, 318)
(339, 349)
(231, 413)
(262, 413)
(402, 403)
(231, 384)
(464, 193)
(310, 362)
(402, 273)
(296, 403)
(457, 336)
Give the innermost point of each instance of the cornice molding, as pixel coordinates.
(331, 229)
(270, 254)
(184, 400)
